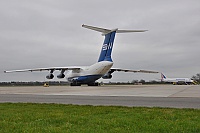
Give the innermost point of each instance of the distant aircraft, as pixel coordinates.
(177, 80)
(89, 74)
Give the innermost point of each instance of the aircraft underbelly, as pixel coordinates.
(90, 74)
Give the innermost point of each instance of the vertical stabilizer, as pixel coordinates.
(163, 76)
(106, 50)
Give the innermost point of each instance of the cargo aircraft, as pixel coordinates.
(175, 81)
(77, 75)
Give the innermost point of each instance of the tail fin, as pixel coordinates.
(163, 76)
(106, 50)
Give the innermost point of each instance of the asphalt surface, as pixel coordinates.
(183, 96)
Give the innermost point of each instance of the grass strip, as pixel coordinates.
(54, 118)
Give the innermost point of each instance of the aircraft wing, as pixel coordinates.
(128, 70)
(45, 69)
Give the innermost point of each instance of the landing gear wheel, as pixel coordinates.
(75, 84)
(94, 84)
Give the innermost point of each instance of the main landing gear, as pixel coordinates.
(94, 84)
(89, 84)
(75, 84)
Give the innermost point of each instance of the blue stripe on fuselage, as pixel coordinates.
(85, 79)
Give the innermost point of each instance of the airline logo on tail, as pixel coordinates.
(163, 76)
(107, 46)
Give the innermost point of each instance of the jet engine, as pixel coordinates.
(107, 76)
(61, 75)
(50, 76)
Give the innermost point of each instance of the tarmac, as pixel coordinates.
(175, 96)
(109, 90)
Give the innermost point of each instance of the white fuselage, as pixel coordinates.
(98, 69)
(176, 80)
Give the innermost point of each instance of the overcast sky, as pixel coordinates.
(48, 33)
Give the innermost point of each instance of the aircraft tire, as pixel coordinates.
(94, 84)
(75, 84)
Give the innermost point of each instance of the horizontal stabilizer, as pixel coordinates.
(125, 31)
(102, 30)
(107, 31)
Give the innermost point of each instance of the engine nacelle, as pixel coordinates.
(50, 76)
(107, 76)
(61, 75)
